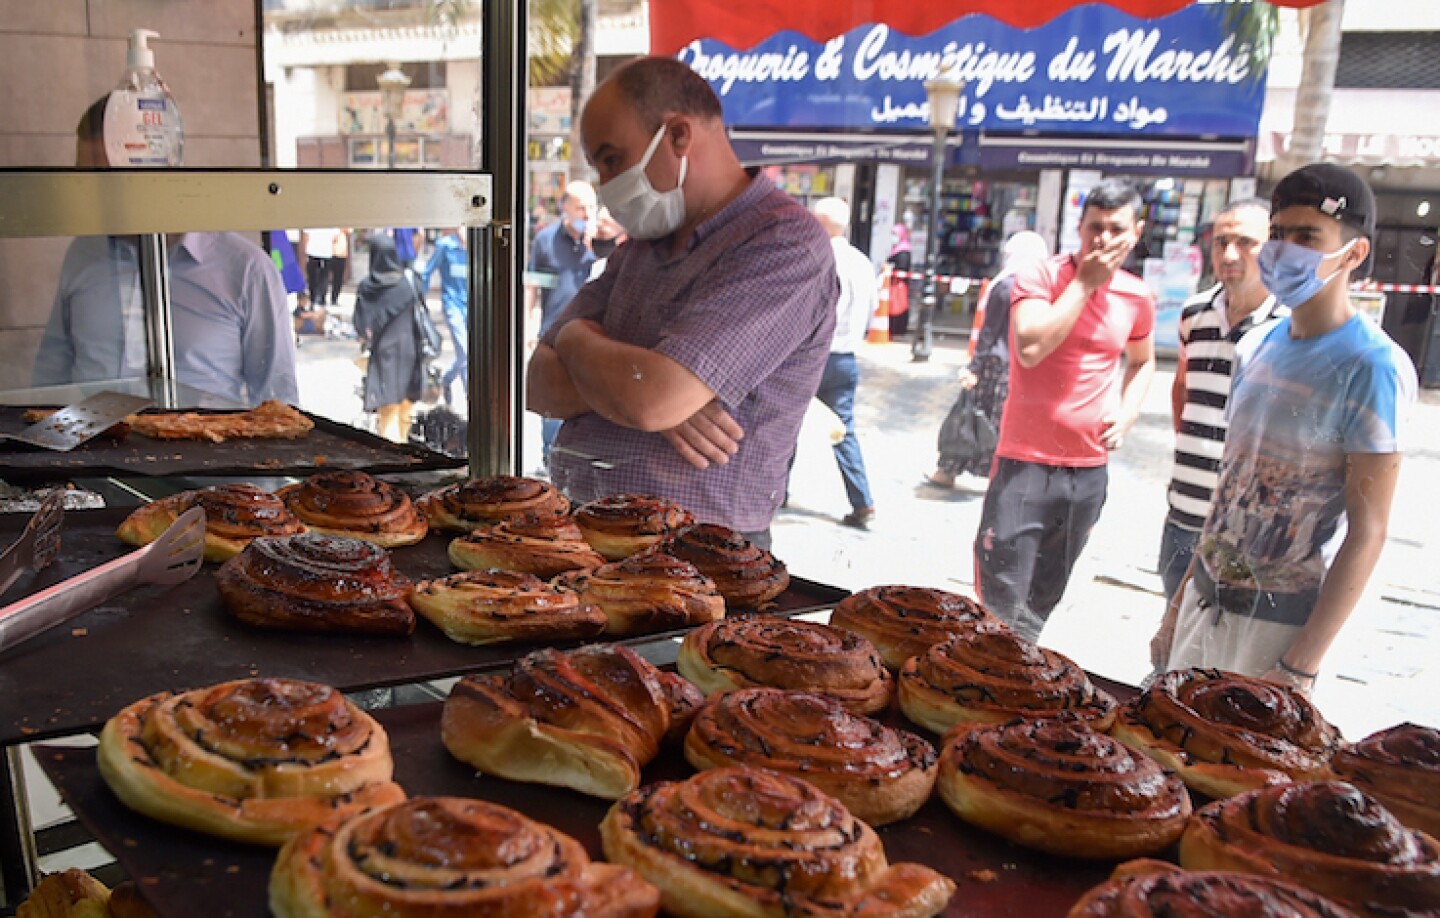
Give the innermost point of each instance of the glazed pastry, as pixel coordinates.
(234, 514)
(1155, 889)
(989, 675)
(313, 582)
(434, 856)
(746, 842)
(1327, 836)
(358, 505)
(903, 621)
(646, 593)
(482, 502)
(881, 775)
(71, 893)
(1400, 767)
(256, 760)
(748, 577)
(1225, 733)
(1059, 786)
(787, 654)
(545, 546)
(624, 524)
(589, 719)
(495, 607)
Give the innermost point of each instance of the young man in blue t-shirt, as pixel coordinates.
(1311, 457)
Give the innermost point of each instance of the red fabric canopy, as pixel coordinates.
(744, 23)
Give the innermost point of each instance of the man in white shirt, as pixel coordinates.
(858, 297)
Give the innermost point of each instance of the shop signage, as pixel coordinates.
(425, 111)
(761, 147)
(1368, 149)
(1118, 157)
(1093, 70)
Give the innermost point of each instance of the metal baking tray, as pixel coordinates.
(183, 873)
(157, 639)
(331, 445)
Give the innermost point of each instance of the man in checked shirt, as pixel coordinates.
(685, 369)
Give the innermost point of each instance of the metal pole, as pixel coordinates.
(390, 137)
(923, 344)
(159, 327)
(19, 860)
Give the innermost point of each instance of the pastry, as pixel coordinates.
(747, 576)
(495, 607)
(1059, 786)
(482, 502)
(646, 593)
(1225, 733)
(619, 526)
(433, 856)
(71, 893)
(256, 760)
(314, 582)
(589, 719)
(902, 621)
(269, 420)
(881, 775)
(989, 674)
(1155, 889)
(753, 843)
(358, 505)
(787, 654)
(234, 514)
(541, 545)
(1400, 767)
(1327, 836)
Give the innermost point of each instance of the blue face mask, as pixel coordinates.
(1292, 272)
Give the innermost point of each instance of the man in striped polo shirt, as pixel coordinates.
(1211, 323)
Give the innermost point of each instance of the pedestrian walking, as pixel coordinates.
(899, 261)
(385, 321)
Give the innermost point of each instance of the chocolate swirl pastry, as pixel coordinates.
(746, 842)
(747, 576)
(1327, 836)
(903, 621)
(1146, 888)
(881, 775)
(313, 582)
(787, 654)
(989, 675)
(449, 856)
(255, 760)
(545, 546)
(494, 607)
(1059, 786)
(647, 592)
(234, 514)
(358, 505)
(1400, 767)
(482, 502)
(624, 524)
(1225, 733)
(589, 719)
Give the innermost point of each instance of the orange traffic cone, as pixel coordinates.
(879, 330)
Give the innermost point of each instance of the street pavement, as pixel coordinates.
(1381, 670)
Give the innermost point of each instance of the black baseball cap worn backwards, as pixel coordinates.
(1331, 189)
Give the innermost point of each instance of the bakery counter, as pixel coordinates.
(184, 874)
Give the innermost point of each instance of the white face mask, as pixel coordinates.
(636, 205)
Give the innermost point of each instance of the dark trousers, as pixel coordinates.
(1177, 546)
(317, 277)
(337, 278)
(837, 391)
(1035, 522)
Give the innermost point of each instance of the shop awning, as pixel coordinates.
(741, 23)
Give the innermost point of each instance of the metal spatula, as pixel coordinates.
(38, 544)
(69, 427)
(172, 558)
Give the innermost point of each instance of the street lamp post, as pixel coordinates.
(943, 94)
(393, 83)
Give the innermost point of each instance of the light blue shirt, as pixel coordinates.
(234, 337)
(451, 260)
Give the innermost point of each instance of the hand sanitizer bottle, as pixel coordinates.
(142, 122)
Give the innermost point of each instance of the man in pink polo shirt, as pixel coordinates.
(1073, 316)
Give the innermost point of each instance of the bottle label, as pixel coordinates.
(141, 129)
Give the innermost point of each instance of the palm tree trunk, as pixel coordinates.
(582, 85)
(1317, 86)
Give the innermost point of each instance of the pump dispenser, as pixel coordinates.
(142, 122)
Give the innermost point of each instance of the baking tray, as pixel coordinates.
(184, 873)
(331, 445)
(152, 639)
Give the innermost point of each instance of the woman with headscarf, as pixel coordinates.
(986, 381)
(385, 321)
(899, 260)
